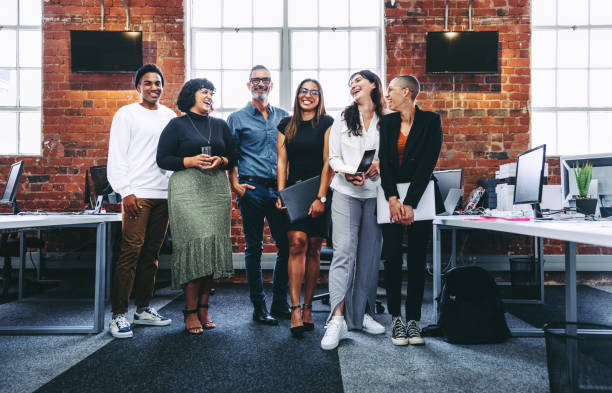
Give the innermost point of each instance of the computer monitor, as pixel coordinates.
(529, 178)
(452, 178)
(103, 191)
(12, 184)
(601, 183)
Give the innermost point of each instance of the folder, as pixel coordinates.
(425, 210)
(298, 197)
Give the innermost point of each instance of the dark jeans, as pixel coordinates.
(418, 237)
(255, 205)
(141, 240)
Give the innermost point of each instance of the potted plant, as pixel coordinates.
(584, 204)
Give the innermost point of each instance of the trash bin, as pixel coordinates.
(579, 357)
(525, 278)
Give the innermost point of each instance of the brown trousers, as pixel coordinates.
(137, 264)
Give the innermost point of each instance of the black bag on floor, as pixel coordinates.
(470, 309)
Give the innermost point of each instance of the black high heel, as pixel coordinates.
(308, 326)
(297, 331)
(194, 329)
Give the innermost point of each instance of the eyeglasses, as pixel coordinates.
(313, 92)
(265, 81)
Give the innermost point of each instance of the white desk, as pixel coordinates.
(597, 233)
(21, 223)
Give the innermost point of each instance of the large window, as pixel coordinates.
(20, 77)
(320, 39)
(571, 76)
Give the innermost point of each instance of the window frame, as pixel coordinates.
(284, 82)
(556, 109)
(18, 108)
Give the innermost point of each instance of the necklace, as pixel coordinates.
(198, 130)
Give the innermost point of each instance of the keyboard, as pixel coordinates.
(503, 213)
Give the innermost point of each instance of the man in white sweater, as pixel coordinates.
(133, 172)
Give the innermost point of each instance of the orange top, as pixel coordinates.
(401, 143)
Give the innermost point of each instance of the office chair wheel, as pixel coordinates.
(212, 291)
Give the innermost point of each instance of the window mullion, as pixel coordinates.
(18, 78)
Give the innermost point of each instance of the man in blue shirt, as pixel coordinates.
(254, 129)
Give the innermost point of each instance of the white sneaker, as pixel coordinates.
(120, 327)
(150, 317)
(335, 331)
(370, 325)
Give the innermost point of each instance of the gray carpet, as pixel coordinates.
(366, 363)
(372, 363)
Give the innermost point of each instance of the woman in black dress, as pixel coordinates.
(302, 146)
(410, 143)
(198, 148)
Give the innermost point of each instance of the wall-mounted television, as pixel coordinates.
(105, 51)
(462, 52)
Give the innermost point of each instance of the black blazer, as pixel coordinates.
(420, 155)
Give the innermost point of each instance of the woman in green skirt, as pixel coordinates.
(198, 148)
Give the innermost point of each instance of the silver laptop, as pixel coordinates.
(450, 203)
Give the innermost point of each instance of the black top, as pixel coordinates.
(420, 154)
(180, 139)
(305, 151)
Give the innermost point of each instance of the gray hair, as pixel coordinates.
(258, 67)
(411, 83)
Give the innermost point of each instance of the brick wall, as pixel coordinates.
(485, 116)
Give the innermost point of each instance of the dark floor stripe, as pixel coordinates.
(237, 356)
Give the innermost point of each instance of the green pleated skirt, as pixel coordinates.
(199, 206)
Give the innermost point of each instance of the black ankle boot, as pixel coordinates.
(261, 315)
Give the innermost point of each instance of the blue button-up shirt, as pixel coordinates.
(255, 140)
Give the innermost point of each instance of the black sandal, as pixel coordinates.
(208, 324)
(308, 326)
(192, 330)
(296, 331)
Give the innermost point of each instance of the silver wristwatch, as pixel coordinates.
(322, 199)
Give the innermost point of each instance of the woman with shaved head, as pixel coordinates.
(410, 143)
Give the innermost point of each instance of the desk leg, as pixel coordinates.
(98, 322)
(540, 254)
(437, 270)
(571, 297)
(40, 258)
(109, 260)
(453, 257)
(21, 264)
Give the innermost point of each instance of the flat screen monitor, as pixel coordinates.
(9, 195)
(462, 52)
(530, 178)
(601, 183)
(105, 51)
(448, 179)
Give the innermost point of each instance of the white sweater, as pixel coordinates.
(132, 150)
(345, 152)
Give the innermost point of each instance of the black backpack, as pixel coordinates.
(470, 309)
